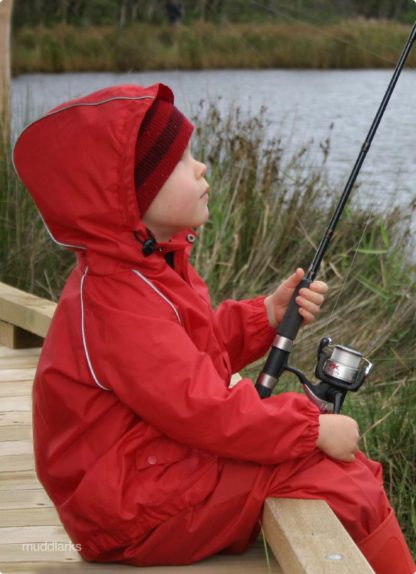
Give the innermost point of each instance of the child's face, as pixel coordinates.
(182, 202)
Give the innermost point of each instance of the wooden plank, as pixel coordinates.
(80, 568)
(15, 432)
(18, 338)
(6, 353)
(16, 404)
(15, 389)
(25, 310)
(29, 498)
(18, 462)
(15, 418)
(251, 562)
(19, 361)
(29, 517)
(48, 551)
(19, 480)
(307, 538)
(10, 447)
(8, 375)
(7, 335)
(26, 534)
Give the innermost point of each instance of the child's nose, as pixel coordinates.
(202, 169)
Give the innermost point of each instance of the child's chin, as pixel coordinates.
(206, 217)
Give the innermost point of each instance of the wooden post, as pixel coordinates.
(23, 313)
(307, 538)
(6, 7)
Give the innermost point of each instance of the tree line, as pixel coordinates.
(107, 12)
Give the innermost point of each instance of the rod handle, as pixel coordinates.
(273, 368)
(292, 320)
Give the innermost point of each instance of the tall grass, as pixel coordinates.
(29, 259)
(268, 212)
(141, 46)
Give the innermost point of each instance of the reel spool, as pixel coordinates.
(343, 364)
(345, 369)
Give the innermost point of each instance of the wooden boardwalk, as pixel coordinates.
(305, 537)
(32, 539)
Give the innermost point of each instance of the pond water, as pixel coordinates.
(302, 105)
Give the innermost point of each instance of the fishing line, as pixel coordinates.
(345, 369)
(348, 273)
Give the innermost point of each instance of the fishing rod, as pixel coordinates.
(345, 369)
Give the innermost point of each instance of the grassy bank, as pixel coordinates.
(268, 211)
(141, 46)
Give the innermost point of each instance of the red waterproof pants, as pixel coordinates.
(228, 520)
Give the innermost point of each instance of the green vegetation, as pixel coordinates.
(29, 259)
(268, 211)
(124, 12)
(145, 46)
(131, 35)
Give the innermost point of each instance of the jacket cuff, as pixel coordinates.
(257, 322)
(307, 444)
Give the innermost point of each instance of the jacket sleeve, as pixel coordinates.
(244, 329)
(152, 365)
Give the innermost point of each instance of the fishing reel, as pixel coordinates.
(343, 370)
(340, 370)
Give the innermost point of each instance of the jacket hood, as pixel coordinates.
(77, 162)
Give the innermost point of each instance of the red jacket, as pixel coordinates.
(132, 408)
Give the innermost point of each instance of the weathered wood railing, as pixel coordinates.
(24, 318)
(304, 535)
(6, 8)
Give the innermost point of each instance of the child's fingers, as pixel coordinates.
(308, 317)
(312, 296)
(319, 287)
(292, 281)
(308, 306)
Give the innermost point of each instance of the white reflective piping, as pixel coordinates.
(146, 280)
(75, 105)
(44, 223)
(55, 240)
(80, 104)
(84, 342)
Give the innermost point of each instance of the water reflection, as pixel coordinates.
(301, 106)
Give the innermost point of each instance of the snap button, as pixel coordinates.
(151, 459)
(190, 237)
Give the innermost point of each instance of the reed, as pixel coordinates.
(5, 26)
(29, 259)
(268, 212)
(142, 46)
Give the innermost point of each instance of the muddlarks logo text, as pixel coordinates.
(52, 546)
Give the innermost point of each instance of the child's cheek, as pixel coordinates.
(183, 203)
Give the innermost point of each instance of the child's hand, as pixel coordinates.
(309, 300)
(338, 437)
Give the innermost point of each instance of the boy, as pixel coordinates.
(148, 455)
